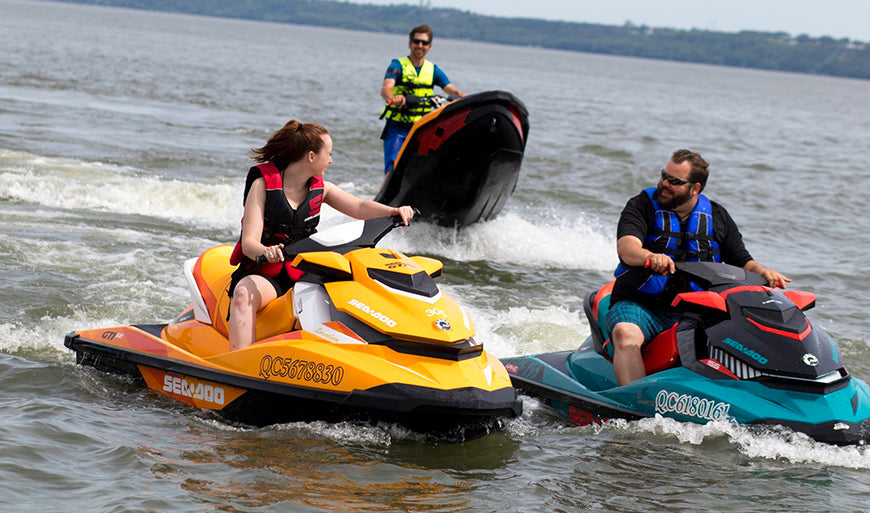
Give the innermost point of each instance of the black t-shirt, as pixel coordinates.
(638, 219)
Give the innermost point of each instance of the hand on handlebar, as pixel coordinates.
(272, 254)
(660, 263)
(404, 213)
(774, 278)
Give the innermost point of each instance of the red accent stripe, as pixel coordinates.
(314, 204)
(341, 328)
(715, 365)
(430, 142)
(293, 272)
(516, 120)
(799, 298)
(705, 298)
(797, 336)
(316, 201)
(745, 288)
(662, 351)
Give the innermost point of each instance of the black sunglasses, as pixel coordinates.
(673, 180)
(424, 42)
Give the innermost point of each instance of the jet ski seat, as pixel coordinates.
(211, 302)
(661, 353)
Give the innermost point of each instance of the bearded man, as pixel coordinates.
(670, 222)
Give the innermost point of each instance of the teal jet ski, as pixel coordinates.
(741, 351)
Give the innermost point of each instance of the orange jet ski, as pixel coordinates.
(365, 334)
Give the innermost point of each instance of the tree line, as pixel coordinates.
(748, 49)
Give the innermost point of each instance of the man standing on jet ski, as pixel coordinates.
(672, 221)
(411, 75)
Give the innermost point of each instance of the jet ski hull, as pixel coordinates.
(581, 386)
(461, 162)
(365, 334)
(740, 352)
(285, 389)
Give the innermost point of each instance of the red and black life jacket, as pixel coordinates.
(281, 223)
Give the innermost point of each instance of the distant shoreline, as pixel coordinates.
(775, 51)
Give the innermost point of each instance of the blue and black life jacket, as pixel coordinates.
(691, 241)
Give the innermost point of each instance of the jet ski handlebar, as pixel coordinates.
(431, 101)
(436, 101)
(343, 238)
(713, 274)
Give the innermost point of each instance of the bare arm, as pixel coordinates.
(252, 225)
(631, 251)
(358, 208)
(774, 278)
(387, 93)
(451, 89)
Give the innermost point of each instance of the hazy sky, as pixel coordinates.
(835, 18)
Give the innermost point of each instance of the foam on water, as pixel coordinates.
(560, 242)
(51, 183)
(78, 185)
(44, 341)
(343, 432)
(771, 443)
(521, 330)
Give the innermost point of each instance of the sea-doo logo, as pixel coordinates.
(194, 389)
(745, 350)
(811, 360)
(374, 313)
(442, 324)
(690, 406)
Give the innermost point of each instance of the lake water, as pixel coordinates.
(124, 138)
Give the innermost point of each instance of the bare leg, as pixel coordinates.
(251, 294)
(627, 358)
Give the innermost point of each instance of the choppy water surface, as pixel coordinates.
(123, 143)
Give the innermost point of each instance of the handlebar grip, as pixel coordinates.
(397, 219)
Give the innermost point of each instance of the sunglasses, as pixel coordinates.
(673, 180)
(424, 42)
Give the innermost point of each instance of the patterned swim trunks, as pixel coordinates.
(651, 321)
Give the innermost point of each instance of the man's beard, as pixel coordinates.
(675, 201)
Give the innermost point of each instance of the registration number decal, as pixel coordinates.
(303, 370)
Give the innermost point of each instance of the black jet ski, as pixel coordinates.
(460, 162)
(742, 351)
